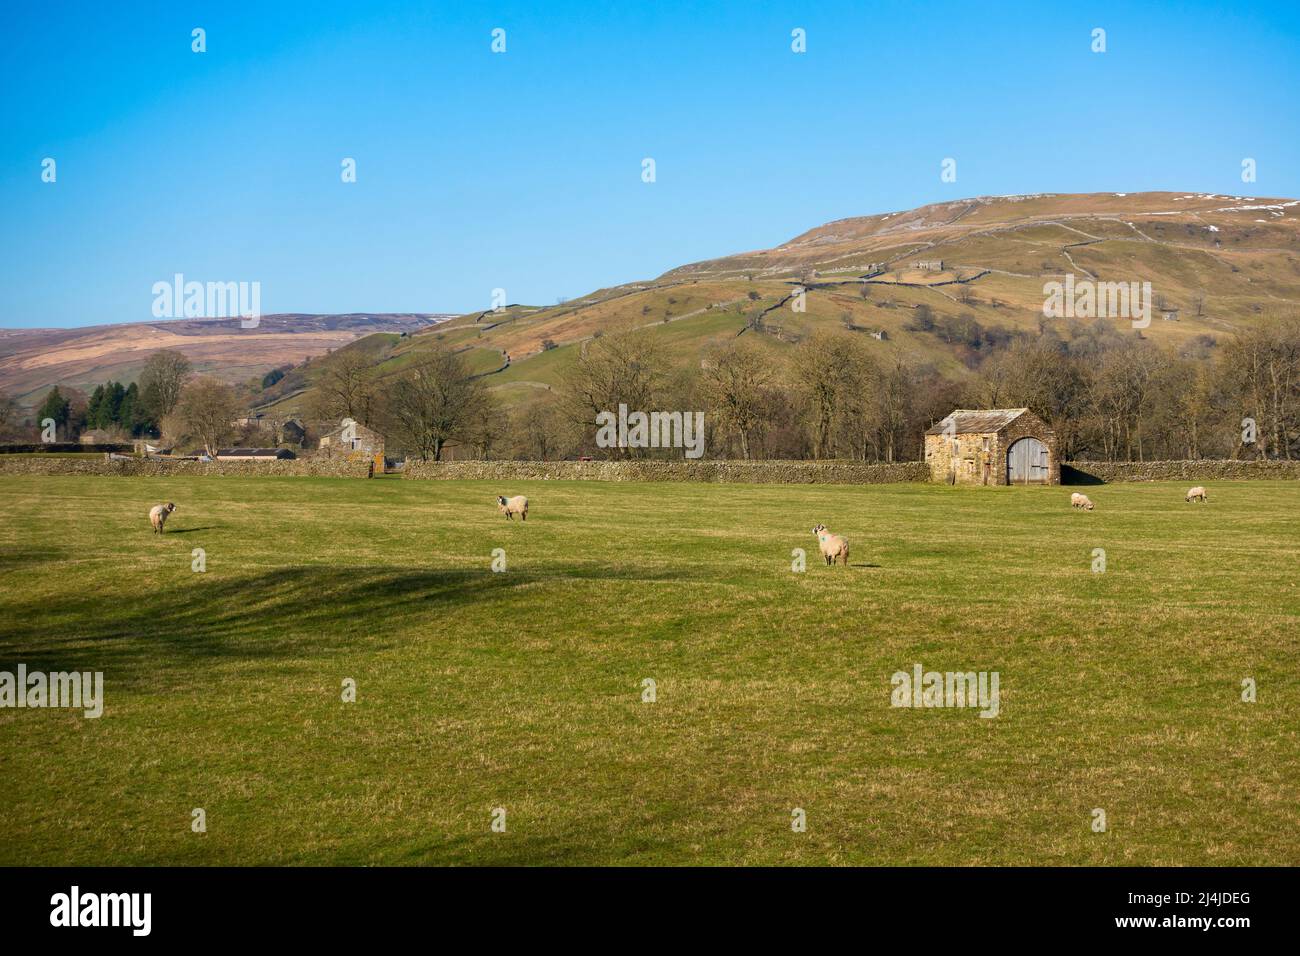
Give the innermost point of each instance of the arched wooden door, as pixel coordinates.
(1027, 462)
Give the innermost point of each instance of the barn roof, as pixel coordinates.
(361, 431)
(254, 453)
(976, 421)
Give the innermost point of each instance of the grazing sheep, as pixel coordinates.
(518, 505)
(832, 545)
(1197, 494)
(158, 516)
(1081, 501)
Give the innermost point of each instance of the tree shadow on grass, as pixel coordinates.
(299, 611)
(17, 559)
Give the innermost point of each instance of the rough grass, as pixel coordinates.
(522, 689)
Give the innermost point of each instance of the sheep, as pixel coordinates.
(518, 505)
(833, 546)
(1197, 494)
(158, 516)
(1081, 501)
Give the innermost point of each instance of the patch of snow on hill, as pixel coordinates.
(1270, 206)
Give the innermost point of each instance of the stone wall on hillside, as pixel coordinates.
(752, 472)
(299, 467)
(1097, 472)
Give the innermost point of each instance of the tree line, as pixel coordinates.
(123, 411)
(1109, 393)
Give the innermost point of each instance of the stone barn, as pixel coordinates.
(993, 446)
(355, 443)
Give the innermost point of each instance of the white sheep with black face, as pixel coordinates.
(833, 547)
(158, 516)
(1081, 501)
(518, 505)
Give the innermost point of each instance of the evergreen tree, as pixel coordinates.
(56, 407)
(95, 407)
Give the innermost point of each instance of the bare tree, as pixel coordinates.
(161, 380)
(207, 407)
(8, 412)
(435, 401)
(486, 430)
(895, 398)
(735, 382)
(825, 366)
(539, 431)
(625, 367)
(346, 388)
(1262, 368)
(1038, 374)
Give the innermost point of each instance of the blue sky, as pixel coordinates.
(522, 170)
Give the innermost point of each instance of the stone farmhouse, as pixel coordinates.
(994, 446)
(929, 265)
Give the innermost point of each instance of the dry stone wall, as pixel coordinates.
(752, 472)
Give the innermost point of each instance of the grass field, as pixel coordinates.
(523, 689)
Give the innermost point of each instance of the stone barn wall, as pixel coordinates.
(1028, 425)
(959, 458)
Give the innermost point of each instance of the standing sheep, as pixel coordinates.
(1081, 501)
(518, 505)
(1197, 494)
(158, 516)
(832, 546)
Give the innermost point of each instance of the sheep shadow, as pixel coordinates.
(206, 527)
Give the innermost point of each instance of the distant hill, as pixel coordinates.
(32, 360)
(1218, 263)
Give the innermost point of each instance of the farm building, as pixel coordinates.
(288, 431)
(253, 454)
(354, 441)
(994, 446)
(293, 431)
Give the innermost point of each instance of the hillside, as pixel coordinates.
(32, 360)
(1220, 262)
